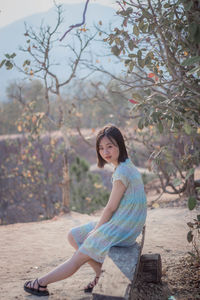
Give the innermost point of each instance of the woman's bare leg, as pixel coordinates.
(66, 269)
(96, 266)
(63, 271)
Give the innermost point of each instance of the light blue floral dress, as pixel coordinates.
(125, 224)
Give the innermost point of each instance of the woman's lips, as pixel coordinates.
(108, 157)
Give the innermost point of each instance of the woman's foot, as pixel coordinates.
(35, 288)
(91, 285)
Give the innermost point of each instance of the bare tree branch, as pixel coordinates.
(78, 24)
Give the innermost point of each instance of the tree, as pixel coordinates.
(162, 72)
(39, 64)
(159, 42)
(87, 191)
(93, 103)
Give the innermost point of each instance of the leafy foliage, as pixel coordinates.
(89, 105)
(8, 61)
(87, 190)
(165, 90)
(161, 61)
(159, 44)
(27, 175)
(36, 114)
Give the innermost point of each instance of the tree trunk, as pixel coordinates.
(190, 186)
(65, 186)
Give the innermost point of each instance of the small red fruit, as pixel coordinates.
(133, 101)
(151, 75)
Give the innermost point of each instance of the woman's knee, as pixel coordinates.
(81, 257)
(72, 240)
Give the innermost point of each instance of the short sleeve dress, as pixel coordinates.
(125, 224)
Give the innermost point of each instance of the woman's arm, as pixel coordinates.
(117, 192)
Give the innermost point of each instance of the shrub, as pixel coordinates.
(87, 193)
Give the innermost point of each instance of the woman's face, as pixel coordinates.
(109, 151)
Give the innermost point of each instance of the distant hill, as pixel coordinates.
(12, 37)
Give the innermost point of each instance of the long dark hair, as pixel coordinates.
(115, 136)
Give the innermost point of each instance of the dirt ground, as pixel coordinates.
(29, 250)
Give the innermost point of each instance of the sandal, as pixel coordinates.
(91, 285)
(35, 291)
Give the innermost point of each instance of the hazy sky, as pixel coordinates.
(12, 10)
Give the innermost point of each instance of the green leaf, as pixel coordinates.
(146, 14)
(194, 70)
(139, 54)
(192, 254)
(115, 50)
(192, 203)
(189, 173)
(196, 38)
(147, 60)
(136, 30)
(188, 5)
(191, 61)
(190, 236)
(193, 28)
(9, 65)
(12, 55)
(151, 27)
(141, 24)
(190, 224)
(2, 63)
(26, 62)
(160, 127)
(159, 97)
(129, 10)
(127, 61)
(132, 55)
(136, 96)
(131, 45)
(148, 92)
(7, 56)
(117, 41)
(126, 12)
(167, 5)
(140, 124)
(187, 128)
(144, 28)
(155, 116)
(141, 62)
(146, 122)
(176, 182)
(150, 54)
(131, 65)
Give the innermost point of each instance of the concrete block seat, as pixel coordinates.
(120, 271)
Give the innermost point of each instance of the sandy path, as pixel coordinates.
(29, 250)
